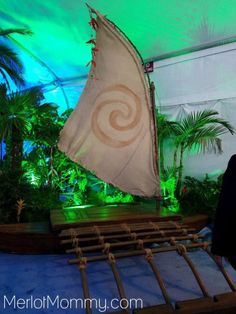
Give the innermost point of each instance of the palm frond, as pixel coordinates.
(9, 57)
(197, 119)
(5, 78)
(165, 127)
(207, 139)
(11, 65)
(9, 31)
(208, 145)
(201, 124)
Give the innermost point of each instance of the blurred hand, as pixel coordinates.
(219, 260)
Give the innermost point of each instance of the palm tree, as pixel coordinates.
(166, 129)
(200, 130)
(19, 113)
(47, 125)
(10, 64)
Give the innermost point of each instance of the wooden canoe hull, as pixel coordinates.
(29, 238)
(39, 238)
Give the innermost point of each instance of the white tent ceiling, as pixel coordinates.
(56, 55)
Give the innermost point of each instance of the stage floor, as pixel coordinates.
(31, 276)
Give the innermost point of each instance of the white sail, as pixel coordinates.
(111, 131)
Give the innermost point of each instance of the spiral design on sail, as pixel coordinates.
(116, 120)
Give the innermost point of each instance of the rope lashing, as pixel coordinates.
(195, 237)
(140, 244)
(162, 233)
(172, 241)
(72, 233)
(185, 231)
(154, 226)
(78, 251)
(83, 263)
(205, 245)
(97, 230)
(126, 228)
(111, 258)
(101, 240)
(133, 236)
(177, 226)
(181, 249)
(75, 242)
(106, 248)
(149, 255)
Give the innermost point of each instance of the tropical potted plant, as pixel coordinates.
(200, 130)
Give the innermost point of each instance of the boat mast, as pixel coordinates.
(155, 142)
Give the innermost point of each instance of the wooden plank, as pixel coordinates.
(124, 244)
(30, 243)
(196, 221)
(32, 227)
(140, 235)
(122, 228)
(228, 298)
(29, 238)
(195, 305)
(136, 253)
(70, 218)
(225, 304)
(156, 309)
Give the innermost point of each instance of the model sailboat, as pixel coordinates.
(112, 132)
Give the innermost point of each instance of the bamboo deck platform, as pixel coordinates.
(111, 242)
(75, 217)
(42, 237)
